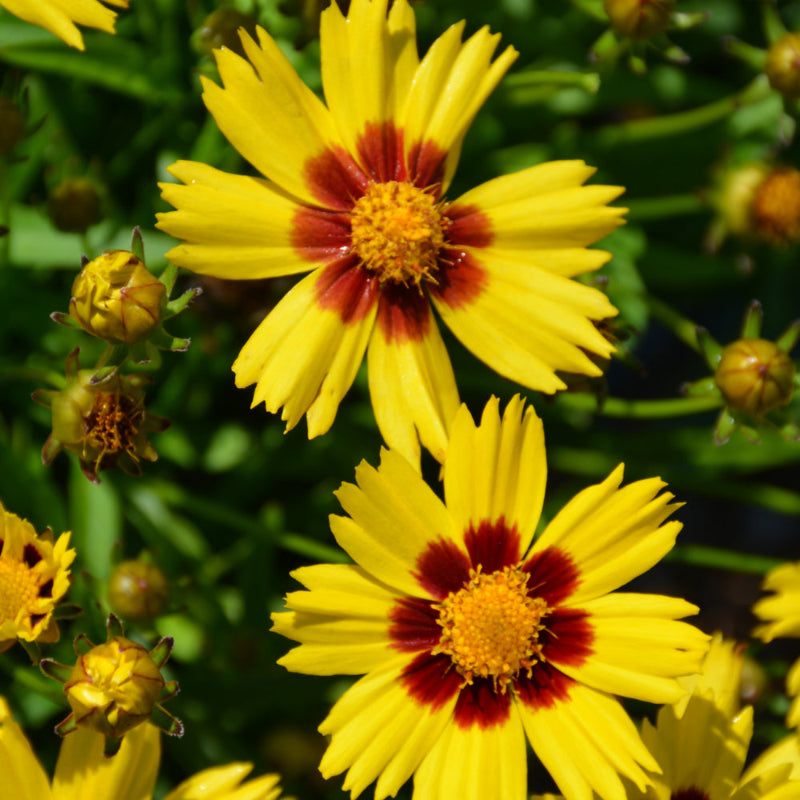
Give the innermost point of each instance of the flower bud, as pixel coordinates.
(105, 424)
(221, 29)
(639, 19)
(783, 65)
(12, 125)
(116, 298)
(755, 376)
(138, 590)
(74, 205)
(114, 687)
(775, 210)
(735, 194)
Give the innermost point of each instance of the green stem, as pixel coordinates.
(5, 213)
(684, 329)
(590, 81)
(684, 121)
(698, 555)
(639, 409)
(675, 205)
(34, 374)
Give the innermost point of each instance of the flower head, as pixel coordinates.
(105, 423)
(116, 298)
(472, 635)
(34, 577)
(83, 771)
(115, 686)
(60, 16)
(356, 193)
(780, 615)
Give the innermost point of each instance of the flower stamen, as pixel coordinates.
(490, 627)
(397, 230)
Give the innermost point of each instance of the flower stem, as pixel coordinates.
(639, 409)
(657, 127)
(674, 205)
(698, 555)
(683, 328)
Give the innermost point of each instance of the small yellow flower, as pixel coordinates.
(116, 298)
(783, 65)
(34, 576)
(639, 19)
(82, 770)
(138, 590)
(59, 16)
(115, 686)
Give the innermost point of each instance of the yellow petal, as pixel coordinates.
(497, 469)
(395, 517)
(269, 115)
(413, 390)
(476, 763)
(23, 777)
(82, 771)
(225, 783)
(233, 226)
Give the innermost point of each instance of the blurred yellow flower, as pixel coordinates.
(355, 193)
(83, 772)
(34, 577)
(473, 635)
(61, 17)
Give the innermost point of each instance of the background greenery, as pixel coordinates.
(233, 504)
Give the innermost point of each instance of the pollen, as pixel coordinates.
(19, 589)
(776, 207)
(490, 627)
(398, 230)
(113, 425)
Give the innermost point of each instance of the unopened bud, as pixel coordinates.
(639, 19)
(75, 205)
(116, 298)
(783, 65)
(755, 376)
(221, 29)
(138, 590)
(12, 125)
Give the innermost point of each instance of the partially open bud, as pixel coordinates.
(783, 65)
(639, 19)
(12, 125)
(114, 687)
(755, 376)
(105, 424)
(74, 205)
(138, 590)
(116, 298)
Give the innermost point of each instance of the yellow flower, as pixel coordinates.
(701, 743)
(60, 16)
(355, 192)
(472, 635)
(84, 773)
(781, 616)
(116, 298)
(34, 577)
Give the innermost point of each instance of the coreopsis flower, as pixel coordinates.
(105, 423)
(83, 772)
(355, 192)
(62, 17)
(780, 614)
(116, 298)
(34, 577)
(701, 743)
(472, 635)
(115, 686)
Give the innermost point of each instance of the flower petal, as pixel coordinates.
(304, 357)
(412, 387)
(612, 534)
(269, 115)
(394, 518)
(233, 226)
(476, 763)
(375, 727)
(83, 771)
(226, 782)
(23, 777)
(497, 469)
(585, 742)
